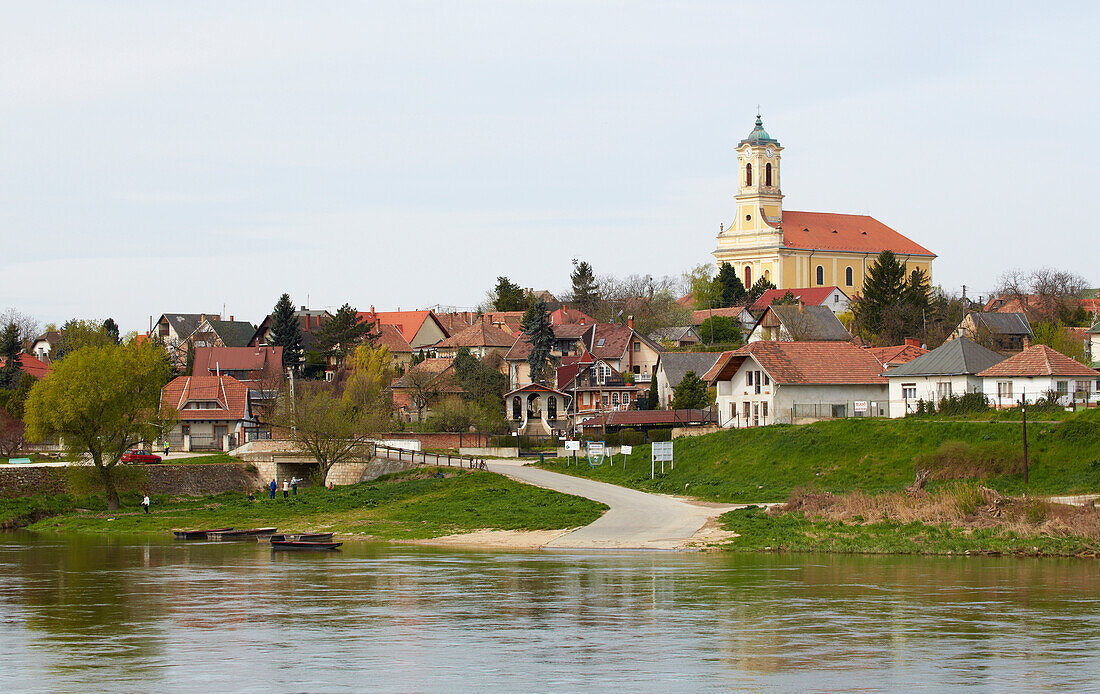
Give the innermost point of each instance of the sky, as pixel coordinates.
(208, 156)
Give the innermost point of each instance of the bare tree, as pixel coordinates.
(1045, 294)
(424, 390)
(28, 325)
(325, 426)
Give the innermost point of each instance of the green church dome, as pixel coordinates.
(758, 134)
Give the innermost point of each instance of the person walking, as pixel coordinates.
(166, 447)
(286, 489)
(272, 486)
(294, 485)
(145, 503)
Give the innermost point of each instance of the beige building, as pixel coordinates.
(800, 249)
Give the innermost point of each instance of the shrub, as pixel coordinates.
(1035, 510)
(966, 497)
(1080, 430)
(961, 460)
(967, 403)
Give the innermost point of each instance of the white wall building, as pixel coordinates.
(1031, 374)
(950, 369)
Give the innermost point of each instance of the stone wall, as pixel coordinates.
(28, 481)
(160, 479)
(677, 432)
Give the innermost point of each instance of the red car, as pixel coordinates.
(139, 456)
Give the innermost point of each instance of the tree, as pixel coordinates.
(1055, 336)
(371, 372)
(788, 299)
(286, 333)
(758, 288)
(653, 402)
(424, 390)
(110, 327)
(10, 372)
(690, 393)
(28, 326)
(893, 305)
(338, 337)
(508, 296)
(540, 333)
(102, 401)
(77, 334)
(720, 330)
(12, 408)
(586, 292)
(705, 292)
(482, 383)
(731, 290)
(1045, 294)
(330, 429)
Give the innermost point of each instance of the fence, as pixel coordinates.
(436, 459)
(205, 442)
(630, 437)
(839, 410)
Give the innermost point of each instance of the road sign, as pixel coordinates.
(626, 450)
(596, 451)
(572, 445)
(662, 451)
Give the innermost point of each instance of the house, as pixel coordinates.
(422, 386)
(950, 369)
(1035, 372)
(1093, 347)
(482, 339)
(1007, 332)
(175, 328)
(567, 316)
(44, 344)
(213, 413)
(421, 329)
(30, 365)
(536, 409)
(673, 366)
(789, 323)
(800, 249)
(568, 341)
(625, 349)
(676, 336)
(832, 297)
(896, 355)
(595, 386)
(511, 321)
(796, 382)
(212, 332)
(390, 337)
(260, 369)
(741, 314)
(309, 322)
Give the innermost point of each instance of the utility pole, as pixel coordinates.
(1023, 411)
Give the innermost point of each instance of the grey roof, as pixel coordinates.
(185, 323)
(953, 358)
(234, 333)
(674, 333)
(1003, 323)
(811, 323)
(1095, 328)
(676, 364)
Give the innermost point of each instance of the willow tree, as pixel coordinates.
(101, 401)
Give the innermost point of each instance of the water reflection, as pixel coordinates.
(85, 613)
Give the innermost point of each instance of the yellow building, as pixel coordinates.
(800, 249)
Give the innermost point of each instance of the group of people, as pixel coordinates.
(289, 487)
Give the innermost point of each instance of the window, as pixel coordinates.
(603, 399)
(637, 346)
(614, 398)
(1004, 390)
(748, 378)
(1083, 387)
(552, 407)
(626, 398)
(637, 369)
(767, 174)
(847, 277)
(1062, 387)
(764, 410)
(599, 342)
(943, 389)
(517, 408)
(748, 277)
(733, 410)
(767, 379)
(756, 381)
(909, 391)
(603, 372)
(748, 174)
(820, 275)
(185, 429)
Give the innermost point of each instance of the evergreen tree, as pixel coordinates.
(111, 328)
(338, 337)
(652, 402)
(917, 292)
(788, 299)
(286, 333)
(9, 351)
(732, 291)
(882, 290)
(508, 296)
(758, 288)
(481, 382)
(690, 393)
(536, 326)
(586, 293)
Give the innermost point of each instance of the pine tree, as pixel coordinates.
(758, 288)
(690, 393)
(508, 296)
(883, 289)
(111, 328)
(536, 326)
(586, 292)
(732, 291)
(338, 337)
(652, 402)
(286, 333)
(9, 352)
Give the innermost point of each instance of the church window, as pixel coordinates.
(748, 174)
(820, 275)
(848, 277)
(767, 174)
(748, 276)
(748, 218)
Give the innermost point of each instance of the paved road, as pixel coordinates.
(636, 520)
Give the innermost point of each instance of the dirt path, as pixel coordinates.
(636, 519)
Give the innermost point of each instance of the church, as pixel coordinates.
(794, 250)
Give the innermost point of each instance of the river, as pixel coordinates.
(85, 613)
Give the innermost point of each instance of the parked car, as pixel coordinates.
(139, 456)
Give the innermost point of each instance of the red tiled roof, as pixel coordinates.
(408, 323)
(652, 417)
(790, 363)
(810, 296)
(734, 312)
(687, 300)
(480, 334)
(896, 355)
(845, 232)
(30, 365)
(442, 368)
(615, 340)
(1040, 360)
(390, 337)
(568, 316)
(210, 359)
(230, 394)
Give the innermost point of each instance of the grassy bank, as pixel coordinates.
(766, 464)
(409, 505)
(964, 518)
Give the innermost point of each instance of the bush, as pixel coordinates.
(967, 497)
(1080, 430)
(967, 403)
(961, 460)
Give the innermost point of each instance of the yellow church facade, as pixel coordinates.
(794, 250)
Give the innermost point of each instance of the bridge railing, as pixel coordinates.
(436, 459)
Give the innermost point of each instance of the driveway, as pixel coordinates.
(636, 520)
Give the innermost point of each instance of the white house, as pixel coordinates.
(673, 366)
(1093, 344)
(950, 369)
(796, 382)
(799, 323)
(1036, 371)
(830, 297)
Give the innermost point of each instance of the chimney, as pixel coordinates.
(231, 318)
(801, 305)
(1027, 342)
(303, 308)
(912, 342)
(630, 322)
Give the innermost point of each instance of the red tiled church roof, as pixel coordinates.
(853, 233)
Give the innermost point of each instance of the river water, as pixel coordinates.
(147, 614)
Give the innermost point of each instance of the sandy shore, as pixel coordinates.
(497, 539)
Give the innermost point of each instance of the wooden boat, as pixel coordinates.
(197, 534)
(292, 544)
(240, 534)
(302, 537)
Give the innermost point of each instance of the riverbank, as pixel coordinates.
(416, 505)
(965, 518)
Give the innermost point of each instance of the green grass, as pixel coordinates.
(766, 464)
(793, 532)
(211, 459)
(401, 506)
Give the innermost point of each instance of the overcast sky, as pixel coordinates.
(161, 157)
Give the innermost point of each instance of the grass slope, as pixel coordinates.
(766, 464)
(408, 505)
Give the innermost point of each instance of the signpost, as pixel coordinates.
(662, 451)
(625, 450)
(860, 407)
(573, 446)
(595, 453)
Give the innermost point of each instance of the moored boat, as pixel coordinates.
(292, 544)
(241, 534)
(302, 537)
(197, 534)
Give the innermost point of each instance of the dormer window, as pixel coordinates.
(748, 174)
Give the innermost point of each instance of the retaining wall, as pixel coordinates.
(161, 479)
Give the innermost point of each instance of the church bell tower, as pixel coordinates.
(759, 199)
